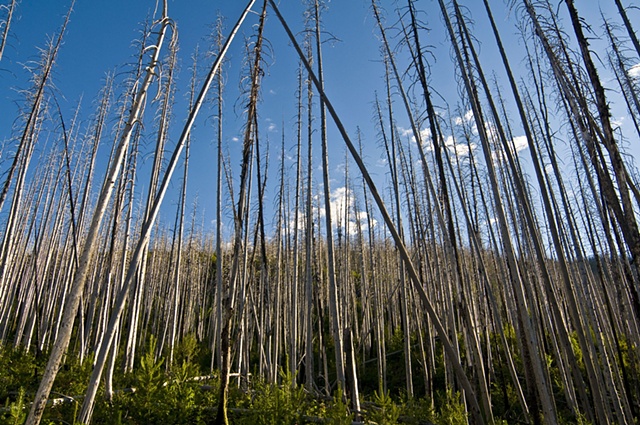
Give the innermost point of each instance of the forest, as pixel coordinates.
(467, 254)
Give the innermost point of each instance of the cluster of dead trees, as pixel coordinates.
(507, 276)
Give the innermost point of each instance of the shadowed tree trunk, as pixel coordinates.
(75, 295)
(229, 301)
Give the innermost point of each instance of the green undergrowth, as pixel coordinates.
(168, 396)
(156, 392)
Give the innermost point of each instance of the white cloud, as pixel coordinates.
(634, 71)
(343, 204)
(490, 130)
(468, 116)
(271, 126)
(425, 134)
(617, 122)
(459, 149)
(548, 169)
(341, 198)
(235, 139)
(343, 212)
(520, 143)
(405, 132)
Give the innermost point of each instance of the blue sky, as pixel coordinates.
(100, 39)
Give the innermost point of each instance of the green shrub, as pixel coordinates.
(337, 411)
(16, 412)
(383, 411)
(452, 410)
(161, 397)
(275, 404)
(418, 411)
(18, 370)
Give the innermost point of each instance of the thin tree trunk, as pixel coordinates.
(7, 24)
(229, 300)
(627, 24)
(335, 314)
(309, 238)
(71, 307)
(87, 408)
(448, 347)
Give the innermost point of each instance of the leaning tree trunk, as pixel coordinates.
(87, 408)
(228, 303)
(335, 317)
(448, 347)
(75, 294)
(627, 24)
(531, 341)
(7, 25)
(627, 220)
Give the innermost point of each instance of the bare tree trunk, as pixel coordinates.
(71, 307)
(229, 298)
(448, 347)
(628, 26)
(7, 24)
(336, 321)
(22, 159)
(36, 105)
(627, 220)
(220, 165)
(531, 341)
(309, 238)
(148, 224)
(295, 278)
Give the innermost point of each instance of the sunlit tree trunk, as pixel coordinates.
(6, 24)
(239, 219)
(334, 312)
(309, 235)
(448, 347)
(75, 295)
